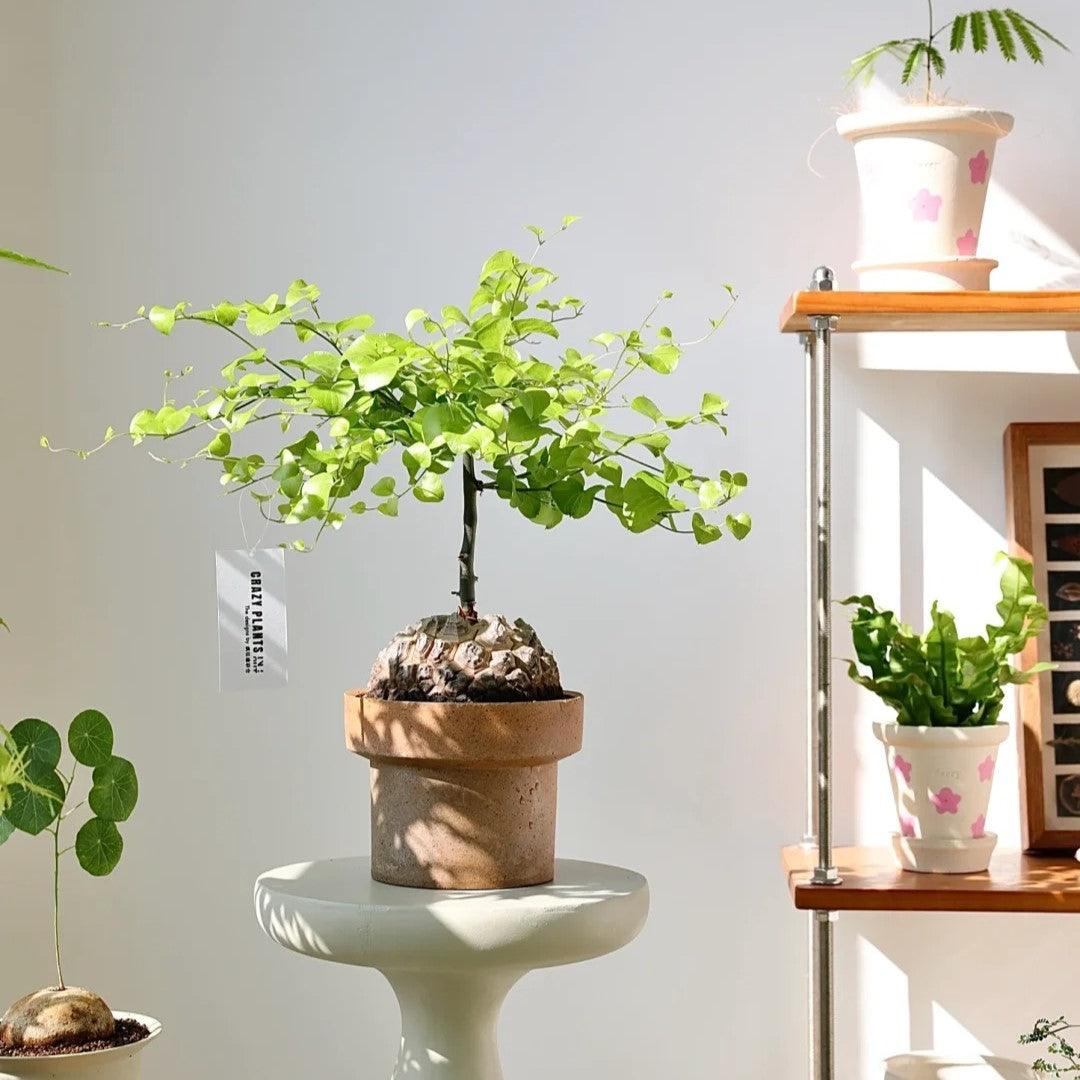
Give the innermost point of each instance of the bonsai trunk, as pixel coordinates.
(466, 592)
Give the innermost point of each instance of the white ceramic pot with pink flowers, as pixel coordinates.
(941, 779)
(947, 691)
(923, 176)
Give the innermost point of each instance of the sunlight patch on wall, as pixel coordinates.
(960, 572)
(884, 1026)
(877, 571)
(950, 1036)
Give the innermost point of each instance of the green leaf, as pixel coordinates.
(430, 488)
(664, 358)
(739, 524)
(705, 532)
(220, 445)
(414, 316)
(162, 319)
(959, 33)
(1006, 43)
(908, 71)
(979, 37)
(39, 742)
(6, 829)
(28, 260)
(323, 363)
(263, 322)
(497, 263)
(300, 290)
(98, 846)
(379, 373)
(389, 507)
(115, 790)
(647, 407)
(90, 738)
(521, 427)
(385, 486)
(34, 808)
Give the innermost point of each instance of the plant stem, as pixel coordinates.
(56, 903)
(929, 46)
(470, 488)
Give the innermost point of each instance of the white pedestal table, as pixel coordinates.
(451, 957)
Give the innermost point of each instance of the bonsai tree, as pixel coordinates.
(939, 678)
(1011, 32)
(488, 390)
(1052, 1032)
(36, 796)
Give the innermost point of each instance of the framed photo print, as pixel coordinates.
(1042, 491)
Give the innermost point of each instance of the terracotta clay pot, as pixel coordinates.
(463, 795)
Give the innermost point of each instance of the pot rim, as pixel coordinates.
(151, 1024)
(464, 734)
(892, 733)
(894, 118)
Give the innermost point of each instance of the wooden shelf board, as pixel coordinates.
(872, 882)
(862, 312)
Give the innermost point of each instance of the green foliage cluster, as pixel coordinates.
(1052, 1032)
(35, 793)
(552, 437)
(939, 678)
(1006, 28)
(36, 799)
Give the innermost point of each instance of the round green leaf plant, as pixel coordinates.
(369, 418)
(36, 795)
(939, 678)
(1009, 31)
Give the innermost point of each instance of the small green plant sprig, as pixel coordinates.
(1052, 1032)
(939, 678)
(28, 260)
(553, 437)
(35, 795)
(1012, 32)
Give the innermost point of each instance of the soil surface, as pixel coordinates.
(127, 1032)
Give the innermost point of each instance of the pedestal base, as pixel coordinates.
(453, 956)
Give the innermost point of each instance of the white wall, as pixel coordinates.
(206, 149)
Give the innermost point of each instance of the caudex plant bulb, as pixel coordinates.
(488, 390)
(939, 678)
(36, 797)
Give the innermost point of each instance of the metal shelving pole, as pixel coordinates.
(818, 345)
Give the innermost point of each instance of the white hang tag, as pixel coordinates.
(253, 639)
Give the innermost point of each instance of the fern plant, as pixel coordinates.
(939, 678)
(1010, 31)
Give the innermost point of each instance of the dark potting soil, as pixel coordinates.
(127, 1032)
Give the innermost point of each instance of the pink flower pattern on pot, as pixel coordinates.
(979, 167)
(967, 244)
(925, 206)
(903, 768)
(978, 827)
(945, 801)
(907, 825)
(986, 768)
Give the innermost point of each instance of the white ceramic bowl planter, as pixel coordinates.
(923, 175)
(116, 1063)
(941, 779)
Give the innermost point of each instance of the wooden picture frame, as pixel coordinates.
(1042, 496)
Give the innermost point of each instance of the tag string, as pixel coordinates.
(250, 548)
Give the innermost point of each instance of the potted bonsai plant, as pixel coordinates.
(464, 718)
(947, 692)
(62, 1030)
(924, 168)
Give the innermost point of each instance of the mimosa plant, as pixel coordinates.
(1011, 33)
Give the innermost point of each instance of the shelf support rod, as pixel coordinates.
(817, 342)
